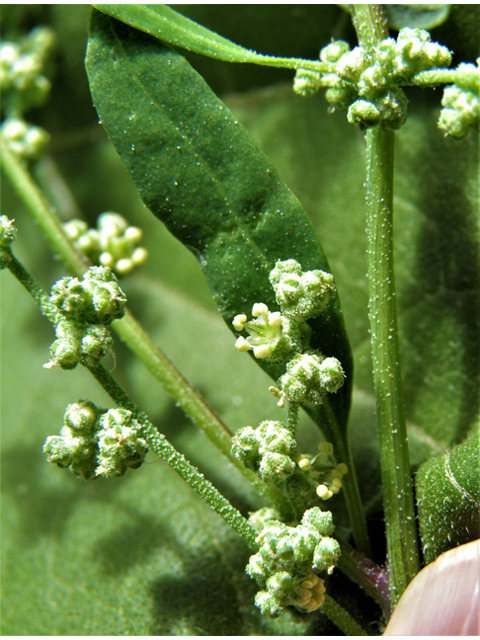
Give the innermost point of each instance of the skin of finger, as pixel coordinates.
(443, 599)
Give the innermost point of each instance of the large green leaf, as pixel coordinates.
(199, 171)
(448, 497)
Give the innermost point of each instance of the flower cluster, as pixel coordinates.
(279, 335)
(301, 295)
(461, 102)
(368, 83)
(94, 442)
(308, 379)
(26, 141)
(113, 244)
(84, 311)
(272, 335)
(289, 559)
(270, 450)
(23, 85)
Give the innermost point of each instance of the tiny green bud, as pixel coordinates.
(301, 295)
(81, 417)
(334, 51)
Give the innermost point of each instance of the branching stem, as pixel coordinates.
(129, 330)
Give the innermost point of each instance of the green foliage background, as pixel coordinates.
(141, 554)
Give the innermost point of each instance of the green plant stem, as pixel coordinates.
(129, 330)
(37, 293)
(167, 452)
(339, 616)
(402, 544)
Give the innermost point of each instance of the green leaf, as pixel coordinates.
(168, 25)
(199, 171)
(448, 497)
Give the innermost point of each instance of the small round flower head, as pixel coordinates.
(119, 446)
(106, 301)
(270, 449)
(309, 377)
(113, 244)
(81, 417)
(287, 560)
(26, 141)
(461, 102)
(271, 335)
(307, 82)
(301, 295)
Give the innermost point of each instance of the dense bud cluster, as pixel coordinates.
(26, 141)
(289, 559)
(461, 102)
(309, 377)
(113, 244)
(95, 442)
(84, 310)
(23, 84)
(270, 449)
(368, 83)
(301, 295)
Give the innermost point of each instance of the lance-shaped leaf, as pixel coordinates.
(163, 22)
(448, 497)
(199, 172)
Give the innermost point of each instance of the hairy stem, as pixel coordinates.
(402, 544)
(129, 330)
(167, 452)
(339, 616)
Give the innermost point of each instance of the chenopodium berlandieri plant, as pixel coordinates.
(289, 557)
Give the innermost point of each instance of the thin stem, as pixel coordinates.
(167, 452)
(402, 545)
(130, 331)
(38, 294)
(340, 616)
(372, 578)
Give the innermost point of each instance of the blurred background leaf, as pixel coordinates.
(122, 557)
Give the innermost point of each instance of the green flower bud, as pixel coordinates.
(461, 102)
(81, 417)
(334, 51)
(96, 341)
(309, 377)
(301, 295)
(307, 82)
(119, 446)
